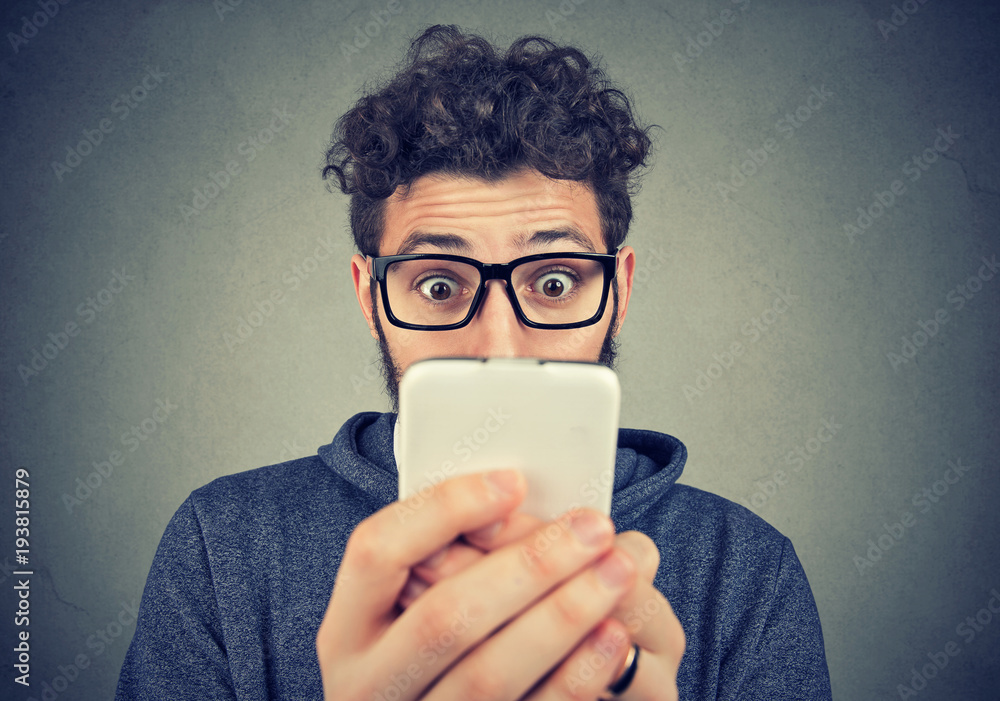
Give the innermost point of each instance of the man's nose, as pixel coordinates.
(495, 330)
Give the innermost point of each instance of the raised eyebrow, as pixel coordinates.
(543, 237)
(450, 242)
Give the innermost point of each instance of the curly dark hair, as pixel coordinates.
(458, 106)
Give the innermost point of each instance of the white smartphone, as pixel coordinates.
(556, 421)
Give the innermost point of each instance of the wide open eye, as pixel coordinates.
(438, 288)
(555, 284)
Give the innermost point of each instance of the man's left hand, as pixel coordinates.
(644, 611)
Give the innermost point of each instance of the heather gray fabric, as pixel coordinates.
(244, 571)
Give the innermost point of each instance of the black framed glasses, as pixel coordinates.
(439, 292)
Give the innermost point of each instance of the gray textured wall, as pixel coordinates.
(155, 295)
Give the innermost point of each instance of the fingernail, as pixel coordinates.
(504, 483)
(591, 528)
(614, 571)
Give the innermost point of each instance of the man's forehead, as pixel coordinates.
(523, 210)
(569, 238)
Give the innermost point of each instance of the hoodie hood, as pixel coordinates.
(646, 467)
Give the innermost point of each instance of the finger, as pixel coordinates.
(448, 561)
(650, 621)
(600, 661)
(457, 556)
(500, 533)
(383, 548)
(511, 662)
(459, 612)
(590, 669)
(655, 678)
(514, 527)
(643, 552)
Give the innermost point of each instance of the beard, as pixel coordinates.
(391, 372)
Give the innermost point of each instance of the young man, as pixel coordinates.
(491, 157)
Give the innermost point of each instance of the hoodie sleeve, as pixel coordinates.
(178, 650)
(787, 660)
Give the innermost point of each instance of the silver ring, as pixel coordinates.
(624, 680)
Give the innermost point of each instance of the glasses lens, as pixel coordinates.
(559, 290)
(431, 292)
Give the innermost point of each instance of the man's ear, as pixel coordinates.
(362, 288)
(624, 276)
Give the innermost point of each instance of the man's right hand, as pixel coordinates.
(516, 624)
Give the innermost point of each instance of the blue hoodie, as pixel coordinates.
(244, 572)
